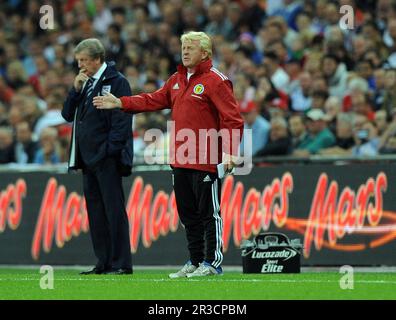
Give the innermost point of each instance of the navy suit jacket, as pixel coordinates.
(101, 133)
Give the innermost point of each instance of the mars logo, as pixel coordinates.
(335, 211)
(60, 217)
(347, 215)
(150, 215)
(11, 205)
(199, 89)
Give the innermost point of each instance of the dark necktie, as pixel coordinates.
(90, 87)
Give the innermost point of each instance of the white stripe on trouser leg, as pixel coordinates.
(220, 220)
(214, 210)
(218, 224)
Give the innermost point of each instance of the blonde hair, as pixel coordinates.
(202, 37)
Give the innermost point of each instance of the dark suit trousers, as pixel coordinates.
(108, 222)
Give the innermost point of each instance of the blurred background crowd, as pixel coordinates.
(305, 86)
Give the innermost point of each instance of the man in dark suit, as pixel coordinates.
(102, 147)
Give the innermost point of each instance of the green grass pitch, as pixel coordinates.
(16, 283)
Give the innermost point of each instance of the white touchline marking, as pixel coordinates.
(203, 280)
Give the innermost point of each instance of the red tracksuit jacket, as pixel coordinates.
(206, 101)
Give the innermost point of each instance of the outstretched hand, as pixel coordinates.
(108, 101)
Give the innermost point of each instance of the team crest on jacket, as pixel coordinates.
(199, 89)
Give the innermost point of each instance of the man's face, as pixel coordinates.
(192, 54)
(305, 81)
(296, 126)
(359, 104)
(90, 65)
(315, 126)
(390, 79)
(277, 131)
(23, 133)
(364, 70)
(343, 129)
(380, 120)
(329, 67)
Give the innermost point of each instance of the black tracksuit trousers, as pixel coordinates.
(198, 204)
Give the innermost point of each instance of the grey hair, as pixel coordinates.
(93, 47)
(358, 83)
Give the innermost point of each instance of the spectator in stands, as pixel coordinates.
(319, 83)
(304, 26)
(361, 105)
(344, 136)
(379, 92)
(360, 45)
(320, 136)
(52, 117)
(279, 48)
(366, 137)
(298, 130)
(218, 24)
(319, 99)
(37, 79)
(268, 97)
(279, 143)
(3, 115)
(387, 141)
(293, 68)
(365, 70)
(103, 17)
(6, 92)
(65, 135)
(247, 47)
(25, 147)
(390, 91)
(31, 112)
(48, 152)
(336, 75)
(7, 154)
(115, 47)
(258, 125)
(288, 35)
(275, 72)
(374, 56)
(332, 108)
(381, 121)
(355, 85)
(300, 97)
(16, 75)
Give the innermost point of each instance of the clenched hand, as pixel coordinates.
(80, 79)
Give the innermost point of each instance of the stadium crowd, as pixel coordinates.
(304, 85)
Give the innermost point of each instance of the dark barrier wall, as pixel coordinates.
(342, 214)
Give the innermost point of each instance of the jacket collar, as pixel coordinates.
(99, 73)
(202, 67)
(110, 71)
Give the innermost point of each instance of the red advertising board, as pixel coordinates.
(342, 214)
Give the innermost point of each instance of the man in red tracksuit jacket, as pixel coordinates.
(201, 99)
